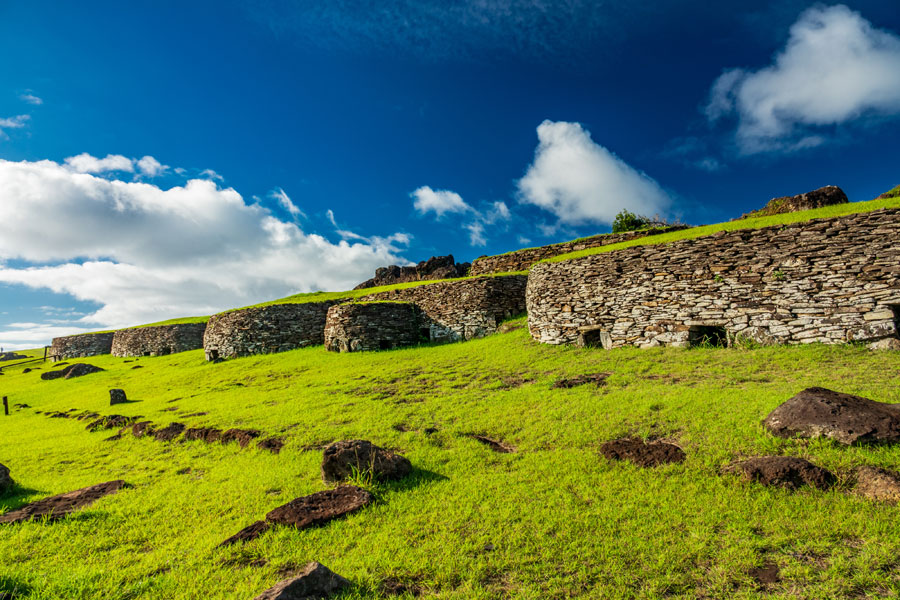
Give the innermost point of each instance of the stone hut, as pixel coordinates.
(81, 346)
(358, 326)
(158, 340)
(265, 329)
(832, 281)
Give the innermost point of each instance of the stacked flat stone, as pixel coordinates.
(81, 346)
(357, 327)
(159, 340)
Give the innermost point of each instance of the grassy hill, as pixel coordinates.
(552, 520)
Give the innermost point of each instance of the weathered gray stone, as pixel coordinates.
(436, 267)
(316, 581)
(159, 340)
(81, 346)
(356, 327)
(342, 460)
(117, 396)
(879, 484)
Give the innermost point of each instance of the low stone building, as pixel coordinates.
(265, 329)
(81, 346)
(158, 340)
(361, 326)
(831, 280)
(521, 260)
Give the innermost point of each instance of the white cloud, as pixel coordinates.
(150, 166)
(85, 163)
(476, 234)
(30, 99)
(836, 68)
(582, 182)
(17, 337)
(16, 122)
(210, 174)
(440, 202)
(286, 203)
(147, 254)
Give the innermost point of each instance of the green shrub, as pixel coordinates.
(628, 221)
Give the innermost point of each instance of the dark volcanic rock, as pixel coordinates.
(169, 432)
(141, 429)
(878, 484)
(844, 418)
(110, 422)
(436, 267)
(80, 369)
(206, 434)
(341, 460)
(6, 481)
(642, 453)
(495, 445)
(783, 471)
(596, 378)
(241, 436)
(826, 196)
(48, 375)
(59, 506)
(117, 396)
(316, 581)
(11, 356)
(272, 444)
(320, 507)
(248, 533)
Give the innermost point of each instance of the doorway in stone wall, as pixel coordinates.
(895, 308)
(707, 335)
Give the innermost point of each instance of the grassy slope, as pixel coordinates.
(563, 522)
(837, 210)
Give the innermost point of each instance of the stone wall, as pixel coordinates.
(463, 309)
(80, 346)
(829, 280)
(159, 340)
(521, 260)
(266, 329)
(374, 326)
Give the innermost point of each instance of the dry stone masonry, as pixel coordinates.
(266, 329)
(521, 260)
(436, 267)
(831, 280)
(374, 326)
(81, 346)
(159, 340)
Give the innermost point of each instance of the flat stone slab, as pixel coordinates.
(57, 507)
(879, 484)
(315, 581)
(641, 453)
(320, 507)
(783, 471)
(819, 412)
(342, 460)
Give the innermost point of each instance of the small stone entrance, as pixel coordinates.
(707, 335)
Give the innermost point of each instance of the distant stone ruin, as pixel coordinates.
(436, 267)
(825, 196)
(521, 260)
(81, 346)
(831, 281)
(357, 326)
(159, 340)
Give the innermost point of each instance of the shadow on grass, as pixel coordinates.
(10, 589)
(15, 499)
(417, 477)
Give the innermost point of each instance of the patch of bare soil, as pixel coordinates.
(597, 379)
(495, 445)
(641, 453)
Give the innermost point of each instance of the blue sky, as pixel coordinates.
(160, 160)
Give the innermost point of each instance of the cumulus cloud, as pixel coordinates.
(146, 254)
(440, 202)
(836, 68)
(85, 163)
(16, 122)
(582, 182)
(150, 166)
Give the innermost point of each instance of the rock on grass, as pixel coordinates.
(641, 453)
(783, 471)
(878, 484)
(315, 581)
(56, 507)
(6, 482)
(343, 460)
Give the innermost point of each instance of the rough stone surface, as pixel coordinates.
(320, 507)
(828, 280)
(597, 379)
(357, 327)
(826, 196)
(464, 309)
(342, 459)
(819, 412)
(117, 396)
(110, 422)
(641, 453)
(242, 436)
(521, 260)
(206, 434)
(81, 346)
(783, 471)
(266, 329)
(6, 481)
(169, 432)
(159, 340)
(74, 370)
(56, 507)
(316, 581)
(4, 356)
(248, 533)
(878, 484)
(436, 267)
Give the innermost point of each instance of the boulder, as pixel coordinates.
(74, 370)
(436, 267)
(847, 419)
(6, 481)
(825, 196)
(320, 507)
(878, 484)
(56, 507)
(641, 453)
(783, 471)
(345, 459)
(117, 396)
(316, 581)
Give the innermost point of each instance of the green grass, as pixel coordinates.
(554, 520)
(892, 193)
(836, 210)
